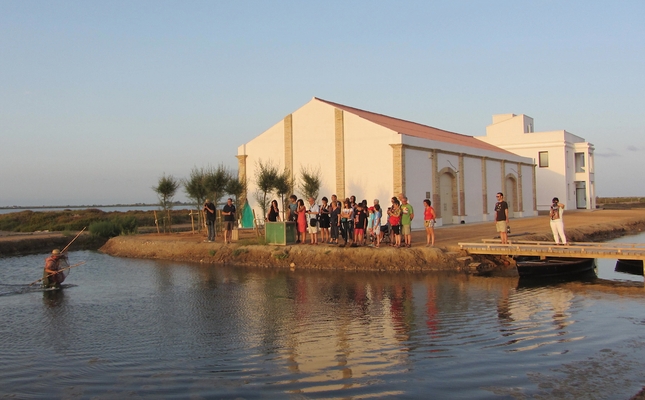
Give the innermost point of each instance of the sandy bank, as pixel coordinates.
(580, 226)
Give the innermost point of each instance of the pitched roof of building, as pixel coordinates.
(409, 128)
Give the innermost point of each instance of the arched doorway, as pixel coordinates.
(448, 195)
(510, 194)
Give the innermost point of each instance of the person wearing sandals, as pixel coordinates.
(407, 215)
(429, 219)
(324, 221)
(395, 221)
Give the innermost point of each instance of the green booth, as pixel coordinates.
(283, 233)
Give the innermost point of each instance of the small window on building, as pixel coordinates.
(580, 162)
(543, 159)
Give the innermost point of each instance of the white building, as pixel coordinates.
(564, 161)
(372, 156)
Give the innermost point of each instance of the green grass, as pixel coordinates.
(75, 220)
(239, 251)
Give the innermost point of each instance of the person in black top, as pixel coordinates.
(274, 212)
(501, 217)
(209, 210)
(324, 217)
(229, 219)
(360, 223)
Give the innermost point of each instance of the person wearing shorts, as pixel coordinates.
(312, 215)
(429, 221)
(377, 225)
(407, 215)
(395, 221)
(501, 217)
(360, 223)
(229, 219)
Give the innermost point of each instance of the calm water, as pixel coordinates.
(128, 328)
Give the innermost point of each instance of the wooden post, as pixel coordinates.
(192, 221)
(156, 221)
(255, 225)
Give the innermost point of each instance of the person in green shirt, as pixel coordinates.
(407, 215)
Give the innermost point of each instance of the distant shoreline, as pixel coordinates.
(89, 206)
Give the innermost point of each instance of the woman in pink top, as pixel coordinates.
(429, 221)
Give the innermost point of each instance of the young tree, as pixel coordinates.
(310, 182)
(283, 186)
(216, 180)
(266, 175)
(166, 189)
(236, 188)
(195, 188)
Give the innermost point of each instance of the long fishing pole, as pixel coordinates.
(75, 237)
(70, 267)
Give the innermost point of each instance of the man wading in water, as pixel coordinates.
(52, 277)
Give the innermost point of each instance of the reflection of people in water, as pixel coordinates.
(52, 276)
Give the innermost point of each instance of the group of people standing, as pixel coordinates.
(228, 211)
(555, 216)
(356, 223)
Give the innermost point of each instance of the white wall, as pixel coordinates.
(368, 160)
(313, 145)
(418, 181)
(472, 176)
(494, 185)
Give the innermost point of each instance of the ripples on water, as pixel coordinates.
(127, 328)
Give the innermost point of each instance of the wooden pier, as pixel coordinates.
(623, 251)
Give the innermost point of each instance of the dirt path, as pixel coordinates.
(579, 226)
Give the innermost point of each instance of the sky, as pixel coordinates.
(99, 99)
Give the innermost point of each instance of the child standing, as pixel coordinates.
(377, 224)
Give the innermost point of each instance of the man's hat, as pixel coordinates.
(55, 252)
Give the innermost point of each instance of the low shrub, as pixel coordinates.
(105, 229)
(114, 227)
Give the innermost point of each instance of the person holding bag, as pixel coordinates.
(313, 213)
